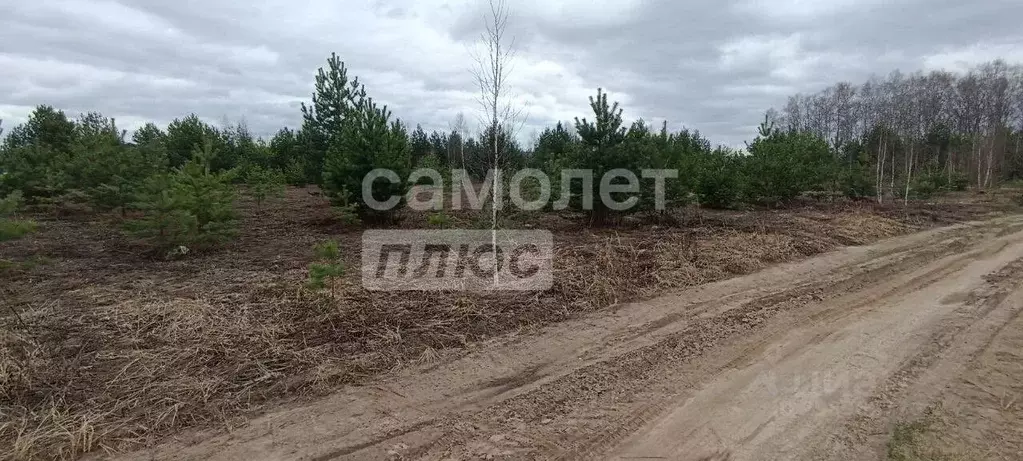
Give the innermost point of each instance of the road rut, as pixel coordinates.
(805, 360)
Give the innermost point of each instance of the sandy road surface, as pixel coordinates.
(809, 360)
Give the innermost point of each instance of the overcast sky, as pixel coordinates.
(713, 65)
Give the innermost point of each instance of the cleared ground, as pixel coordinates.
(108, 350)
(806, 360)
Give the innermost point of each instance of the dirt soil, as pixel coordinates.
(807, 360)
(108, 348)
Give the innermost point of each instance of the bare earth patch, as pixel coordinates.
(108, 347)
(980, 415)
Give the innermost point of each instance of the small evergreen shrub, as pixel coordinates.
(264, 183)
(720, 181)
(440, 220)
(11, 228)
(191, 206)
(326, 268)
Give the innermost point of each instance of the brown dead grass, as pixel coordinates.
(105, 348)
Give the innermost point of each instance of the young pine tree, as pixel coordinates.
(166, 220)
(126, 170)
(11, 228)
(334, 97)
(327, 268)
(720, 180)
(781, 165)
(604, 146)
(264, 183)
(368, 141)
(189, 206)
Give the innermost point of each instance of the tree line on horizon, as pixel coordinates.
(899, 137)
(965, 126)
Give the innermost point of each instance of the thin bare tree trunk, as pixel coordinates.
(949, 166)
(491, 72)
(891, 187)
(976, 159)
(909, 174)
(881, 153)
(990, 160)
(1019, 137)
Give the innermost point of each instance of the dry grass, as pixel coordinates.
(104, 348)
(919, 441)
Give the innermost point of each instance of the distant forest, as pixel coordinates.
(900, 137)
(967, 124)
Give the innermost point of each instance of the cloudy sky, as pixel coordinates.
(713, 65)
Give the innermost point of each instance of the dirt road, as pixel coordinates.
(809, 360)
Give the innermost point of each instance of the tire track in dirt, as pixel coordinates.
(858, 344)
(983, 315)
(978, 413)
(518, 418)
(628, 374)
(579, 389)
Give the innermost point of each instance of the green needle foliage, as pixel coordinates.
(439, 220)
(909, 135)
(264, 183)
(327, 268)
(10, 228)
(782, 164)
(191, 206)
(353, 136)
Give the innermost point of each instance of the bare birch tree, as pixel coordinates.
(459, 126)
(959, 126)
(493, 61)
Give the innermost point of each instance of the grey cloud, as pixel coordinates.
(708, 64)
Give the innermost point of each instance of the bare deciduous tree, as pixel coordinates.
(967, 125)
(493, 61)
(459, 126)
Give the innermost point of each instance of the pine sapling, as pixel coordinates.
(189, 206)
(264, 183)
(327, 268)
(439, 220)
(11, 229)
(347, 215)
